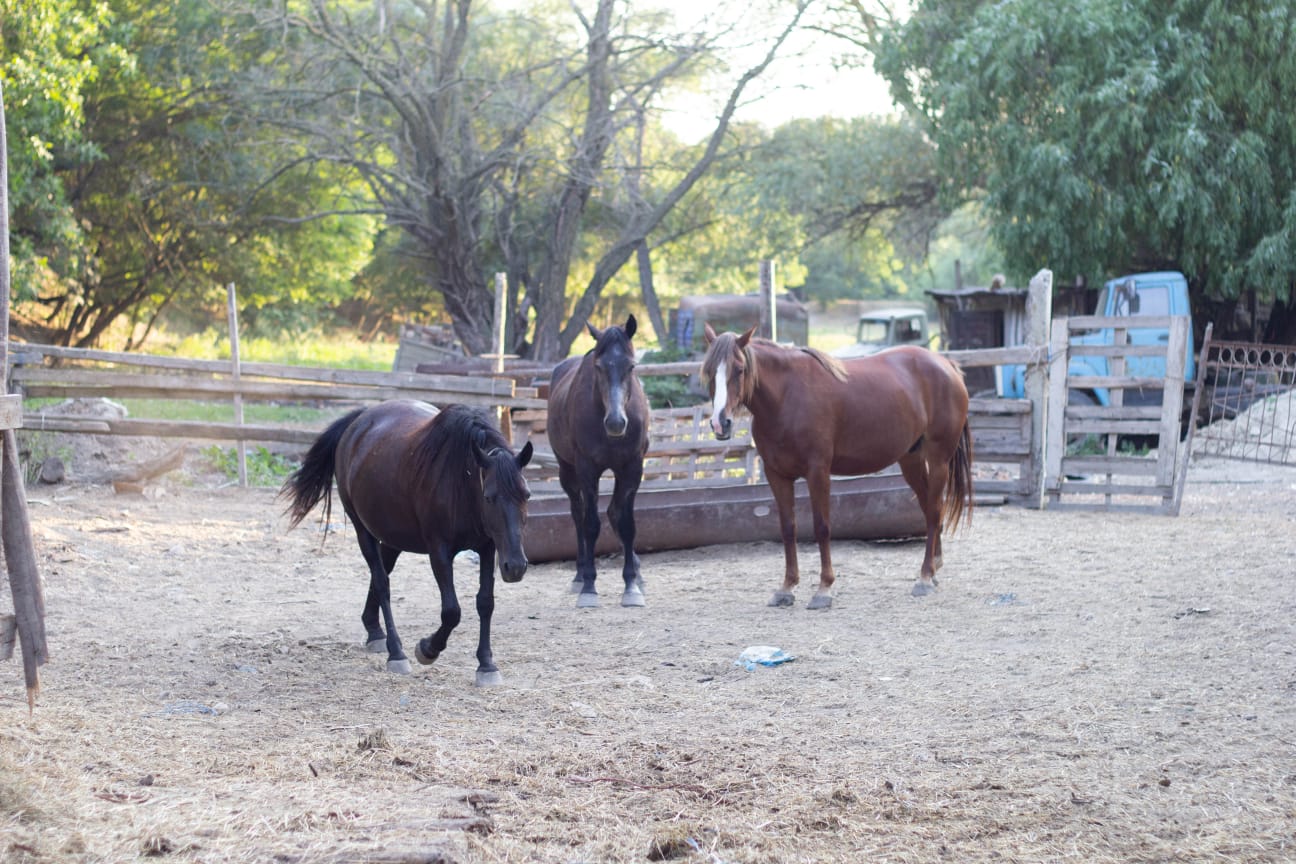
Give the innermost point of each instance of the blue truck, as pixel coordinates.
(1137, 295)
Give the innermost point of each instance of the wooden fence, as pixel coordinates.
(1007, 434)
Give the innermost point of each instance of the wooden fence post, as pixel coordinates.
(236, 368)
(1039, 314)
(28, 620)
(504, 417)
(769, 302)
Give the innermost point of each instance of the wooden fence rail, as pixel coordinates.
(683, 450)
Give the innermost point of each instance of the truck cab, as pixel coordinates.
(886, 328)
(1138, 295)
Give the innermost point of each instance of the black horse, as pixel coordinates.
(598, 419)
(413, 479)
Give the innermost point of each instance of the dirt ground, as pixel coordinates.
(1083, 688)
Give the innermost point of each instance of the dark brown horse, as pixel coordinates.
(814, 416)
(598, 420)
(413, 479)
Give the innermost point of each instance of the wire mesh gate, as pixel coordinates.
(1245, 404)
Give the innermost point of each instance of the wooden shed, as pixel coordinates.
(976, 317)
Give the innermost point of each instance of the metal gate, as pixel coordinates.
(1244, 405)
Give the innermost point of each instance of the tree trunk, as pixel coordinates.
(650, 294)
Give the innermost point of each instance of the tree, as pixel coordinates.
(1113, 136)
(154, 195)
(494, 140)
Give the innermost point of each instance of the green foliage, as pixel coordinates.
(669, 391)
(1114, 135)
(263, 467)
(179, 202)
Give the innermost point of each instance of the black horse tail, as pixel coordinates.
(313, 481)
(958, 492)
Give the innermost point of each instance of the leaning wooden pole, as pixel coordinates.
(15, 523)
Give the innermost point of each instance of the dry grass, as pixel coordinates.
(1083, 689)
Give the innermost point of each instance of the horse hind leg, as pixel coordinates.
(922, 479)
(381, 561)
(375, 636)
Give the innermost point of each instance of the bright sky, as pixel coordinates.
(801, 83)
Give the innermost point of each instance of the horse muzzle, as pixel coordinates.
(722, 428)
(615, 425)
(512, 570)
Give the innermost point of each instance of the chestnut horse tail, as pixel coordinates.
(313, 481)
(958, 492)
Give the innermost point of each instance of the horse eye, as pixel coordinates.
(490, 500)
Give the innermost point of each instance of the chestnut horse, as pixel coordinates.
(598, 419)
(413, 479)
(814, 416)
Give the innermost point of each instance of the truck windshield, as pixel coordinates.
(872, 331)
(1153, 300)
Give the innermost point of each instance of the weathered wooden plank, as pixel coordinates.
(1110, 426)
(474, 383)
(1172, 402)
(1120, 322)
(11, 410)
(1081, 349)
(169, 429)
(1126, 465)
(1113, 382)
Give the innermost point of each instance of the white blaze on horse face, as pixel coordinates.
(718, 402)
(615, 421)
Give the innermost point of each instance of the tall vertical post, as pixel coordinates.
(504, 417)
(237, 372)
(501, 328)
(1039, 314)
(769, 302)
(27, 623)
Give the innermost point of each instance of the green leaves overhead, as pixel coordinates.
(1115, 135)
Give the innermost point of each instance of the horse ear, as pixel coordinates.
(524, 456)
(594, 331)
(630, 326)
(708, 332)
(746, 337)
(479, 454)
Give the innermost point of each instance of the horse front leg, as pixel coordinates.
(820, 485)
(430, 648)
(584, 511)
(621, 517)
(785, 501)
(916, 471)
(488, 674)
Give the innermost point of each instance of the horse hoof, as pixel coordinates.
(632, 597)
(577, 586)
(782, 598)
(422, 658)
(376, 646)
(922, 589)
(587, 601)
(399, 667)
(489, 679)
(820, 601)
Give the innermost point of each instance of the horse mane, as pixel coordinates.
(725, 344)
(445, 459)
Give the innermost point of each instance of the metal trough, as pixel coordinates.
(875, 507)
